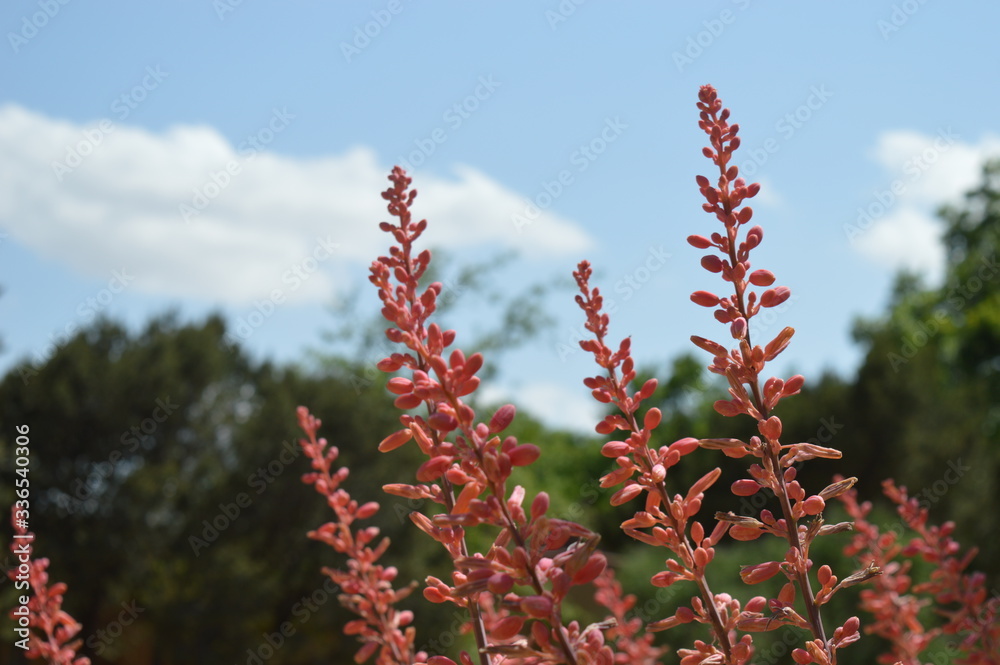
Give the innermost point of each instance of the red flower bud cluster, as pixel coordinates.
(366, 585)
(896, 602)
(632, 645)
(642, 467)
(743, 367)
(535, 560)
(51, 630)
(642, 470)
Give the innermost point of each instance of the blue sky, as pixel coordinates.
(228, 156)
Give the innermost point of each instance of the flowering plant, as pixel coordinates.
(515, 590)
(46, 630)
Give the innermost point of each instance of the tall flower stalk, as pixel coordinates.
(801, 516)
(366, 586)
(642, 468)
(534, 559)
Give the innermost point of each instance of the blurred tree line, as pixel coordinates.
(165, 465)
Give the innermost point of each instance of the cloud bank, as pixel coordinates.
(193, 216)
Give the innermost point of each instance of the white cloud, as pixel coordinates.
(924, 171)
(121, 208)
(906, 238)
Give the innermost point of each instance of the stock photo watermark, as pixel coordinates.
(32, 24)
(365, 34)
(581, 158)
(292, 280)
(122, 108)
(259, 481)
(454, 117)
(913, 168)
(786, 127)
(901, 14)
(698, 43)
(218, 180)
(87, 309)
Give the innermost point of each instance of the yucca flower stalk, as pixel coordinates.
(534, 559)
(801, 514)
(671, 519)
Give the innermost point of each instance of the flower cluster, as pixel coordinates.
(633, 646)
(366, 586)
(743, 367)
(54, 629)
(642, 467)
(534, 560)
(643, 470)
(895, 601)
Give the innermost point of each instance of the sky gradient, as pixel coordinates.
(228, 156)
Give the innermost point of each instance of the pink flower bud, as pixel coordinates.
(615, 449)
(760, 573)
(770, 428)
(440, 660)
(394, 440)
(685, 446)
(594, 567)
(793, 385)
(367, 510)
(727, 408)
(814, 505)
(664, 579)
(652, 419)
(540, 504)
(774, 297)
(701, 242)
(626, 494)
(507, 627)
(711, 263)
(407, 402)
(433, 468)
(778, 344)
(502, 418)
(366, 652)
(740, 532)
(399, 386)
(745, 487)
(443, 422)
(801, 657)
(762, 278)
(524, 454)
(704, 298)
(738, 328)
(389, 365)
(538, 607)
(714, 348)
(500, 583)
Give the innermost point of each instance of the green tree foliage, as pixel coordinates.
(924, 406)
(145, 447)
